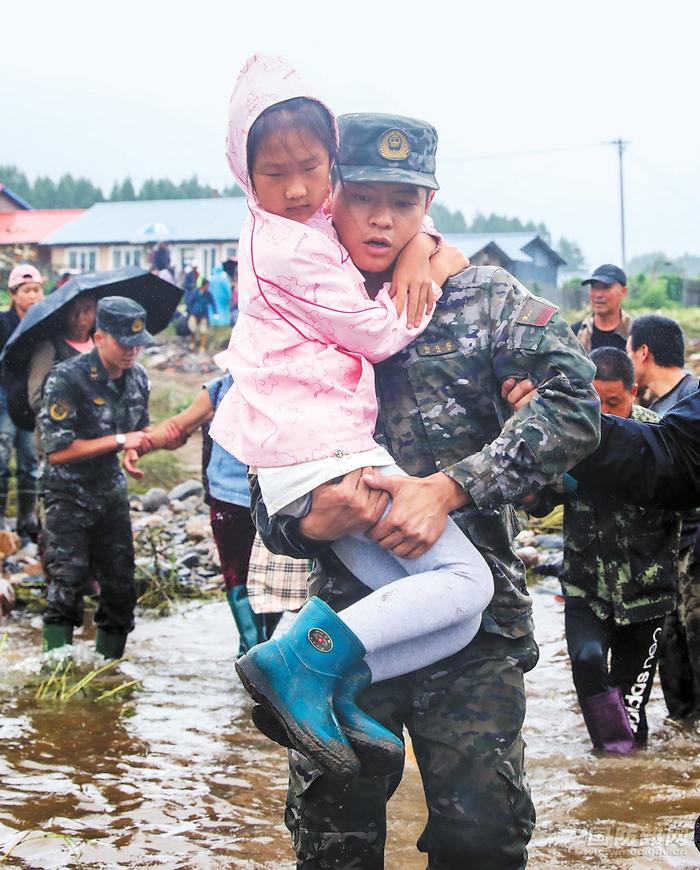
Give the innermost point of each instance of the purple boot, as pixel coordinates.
(608, 723)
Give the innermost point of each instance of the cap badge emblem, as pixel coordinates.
(58, 411)
(320, 640)
(394, 145)
(137, 325)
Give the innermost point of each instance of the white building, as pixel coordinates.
(113, 234)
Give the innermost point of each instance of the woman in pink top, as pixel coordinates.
(308, 333)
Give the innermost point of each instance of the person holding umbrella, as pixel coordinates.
(62, 324)
(72, 338)
(25, 286)
(95, 405)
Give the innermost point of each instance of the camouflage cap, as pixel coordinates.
(124, 320)
(387, 148)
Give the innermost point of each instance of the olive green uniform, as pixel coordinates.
(441, 410)
(86, 506)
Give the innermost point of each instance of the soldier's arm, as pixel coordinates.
(347, 507)
(58, 424)
(280, 534)
(558, 428)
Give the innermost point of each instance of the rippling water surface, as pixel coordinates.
(186, 782)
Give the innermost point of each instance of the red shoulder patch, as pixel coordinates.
(535, 312)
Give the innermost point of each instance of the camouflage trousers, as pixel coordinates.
(679, 663)
(83, 538)
(464, 716)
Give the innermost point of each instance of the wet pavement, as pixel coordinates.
(177, 778)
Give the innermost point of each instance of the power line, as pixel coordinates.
(530, 152)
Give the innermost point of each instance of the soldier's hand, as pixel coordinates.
(138, 441)
(418, 513)
(131, 458)
(518, 394)
(345, 508)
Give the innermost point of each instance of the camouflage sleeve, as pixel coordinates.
(559, 427)
(280, 534)
(58, 417)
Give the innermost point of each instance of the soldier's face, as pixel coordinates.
(615, 398)
(375, 220)
(606, 298)
(114, 355)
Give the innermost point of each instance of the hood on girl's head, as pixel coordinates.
(264, 81)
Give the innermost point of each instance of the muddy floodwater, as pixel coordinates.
(184, 781)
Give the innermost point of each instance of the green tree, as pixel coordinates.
(568, 250)
(447, 221)
(123, 192)
(500, 223)
(17, 181)
(233, 190)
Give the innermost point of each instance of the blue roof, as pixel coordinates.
(511, 244)
(15, 197)
(171, 220)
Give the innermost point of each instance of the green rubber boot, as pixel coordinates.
(55, 636)
(296, 678)
(110, 644)
(249, 624)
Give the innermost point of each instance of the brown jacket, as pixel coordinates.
(585, 331)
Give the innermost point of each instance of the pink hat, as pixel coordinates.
(22, 274)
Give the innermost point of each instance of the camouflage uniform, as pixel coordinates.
(619, 582)
(86, 506)
(439, 403)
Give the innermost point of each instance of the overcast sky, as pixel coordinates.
(112, 89)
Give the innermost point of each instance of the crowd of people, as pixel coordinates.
(385, 409)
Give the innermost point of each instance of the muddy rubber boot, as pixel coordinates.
(110, 644)
(55, 636)
(379, 749)
(27, 522)
(296, 676)
(608, 723)
(249, 624)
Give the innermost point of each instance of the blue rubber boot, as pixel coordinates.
(296, 676)
(380, 751)
(378, 748)
(249, 624)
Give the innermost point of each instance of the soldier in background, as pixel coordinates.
(607, 325)
(619, 583)
(94, 406)
(441, 417)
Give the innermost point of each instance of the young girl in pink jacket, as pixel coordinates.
(302, 412)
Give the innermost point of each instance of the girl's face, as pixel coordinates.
(291, 175)
(26, 295)
(80, 318)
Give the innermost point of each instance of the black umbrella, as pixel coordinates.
(43, 320)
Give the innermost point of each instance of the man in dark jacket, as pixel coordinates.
(619, 583)
(648, 464)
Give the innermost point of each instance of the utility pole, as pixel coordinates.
(620, 144)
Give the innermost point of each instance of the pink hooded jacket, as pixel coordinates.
(301, 352)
